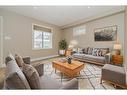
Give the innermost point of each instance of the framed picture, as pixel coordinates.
(106, 34)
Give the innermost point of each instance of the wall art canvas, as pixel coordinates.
(106, 34)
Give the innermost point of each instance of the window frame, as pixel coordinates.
(77, 28)
(33, 36)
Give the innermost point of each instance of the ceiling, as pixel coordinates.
(62, 15)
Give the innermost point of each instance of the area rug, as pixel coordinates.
(89, 77)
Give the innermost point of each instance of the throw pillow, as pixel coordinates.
(32, 76)
(99, 53)
(74, 49)
(85, 50)
(9, 58)
(80, 50)
(104, 52)
(94, 52)
(19, 60)
(90, 50)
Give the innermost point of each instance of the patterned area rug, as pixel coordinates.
(89, 77)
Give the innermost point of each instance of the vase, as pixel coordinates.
(69, 60)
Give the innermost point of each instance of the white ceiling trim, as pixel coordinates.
(83, 21)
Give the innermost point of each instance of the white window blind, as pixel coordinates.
(80, 30)
(42, 37)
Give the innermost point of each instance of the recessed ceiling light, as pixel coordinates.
(88, 7)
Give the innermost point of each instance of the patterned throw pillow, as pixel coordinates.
(96, 52)
(99, 53)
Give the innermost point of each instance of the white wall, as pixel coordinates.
(88, 39)
(19, 29)
(1, 40)
(125, 38)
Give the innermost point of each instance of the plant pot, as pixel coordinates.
(61, 52)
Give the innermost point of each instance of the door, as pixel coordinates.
(1, 41)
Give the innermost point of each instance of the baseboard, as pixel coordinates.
(42, 58)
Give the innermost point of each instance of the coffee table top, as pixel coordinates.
(73, 65)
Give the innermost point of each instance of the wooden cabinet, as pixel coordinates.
(117, 59)
(68, 52)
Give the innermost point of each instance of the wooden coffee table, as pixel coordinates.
(70, 70)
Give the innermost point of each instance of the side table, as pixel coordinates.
(117, 60)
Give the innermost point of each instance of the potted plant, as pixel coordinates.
(62, 47)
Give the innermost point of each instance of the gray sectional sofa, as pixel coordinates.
(31, 78)
(99, 56)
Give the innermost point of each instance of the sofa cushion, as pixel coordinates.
(39, 68)
(32, 76)
(15, 78)
(99, 59)
(49, 83)
(19, 60)
(78, 55)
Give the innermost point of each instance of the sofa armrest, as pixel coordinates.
(107, 58)
(72, 84)
(26, 60)
(125, 69)
(39, 68)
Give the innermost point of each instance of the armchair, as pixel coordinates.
(16, 79)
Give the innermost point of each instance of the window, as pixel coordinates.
(81, 30)
(42, 37)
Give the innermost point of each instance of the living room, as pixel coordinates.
(78, 26)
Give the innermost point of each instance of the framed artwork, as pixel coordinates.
(106, 34)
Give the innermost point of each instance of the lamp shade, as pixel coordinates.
(70, 46)
(117, 46)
